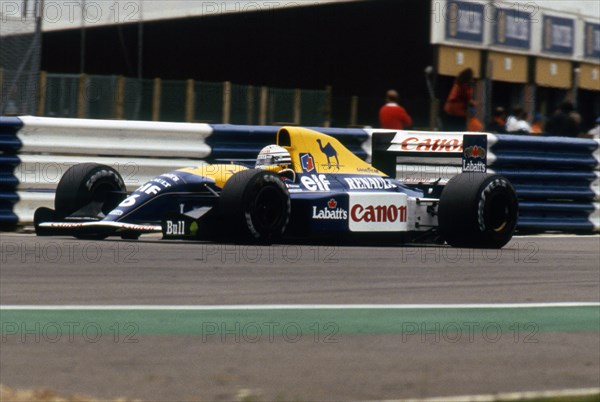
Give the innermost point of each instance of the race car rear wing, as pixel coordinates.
(421, 156)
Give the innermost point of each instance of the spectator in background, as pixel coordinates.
(517, 122)
(498, 122)
(392, 115)
(595, 132)
(473, 123)
(563, 121)
(537, 124)
(458, 101)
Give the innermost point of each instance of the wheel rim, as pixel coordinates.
(269, 209)
(499, 212)
(103, 193)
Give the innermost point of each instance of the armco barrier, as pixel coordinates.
(556, 178)
(37, 151)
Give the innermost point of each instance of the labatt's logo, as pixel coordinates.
(470, 162)
(332, 212)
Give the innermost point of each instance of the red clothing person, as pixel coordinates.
(392, 115)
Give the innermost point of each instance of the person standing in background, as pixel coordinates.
(564, 121)
(517, 122)
(498, 122)
(392, 115)
(458, 102)
(537, 125)
(473, 123)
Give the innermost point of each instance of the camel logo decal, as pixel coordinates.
(330, 153)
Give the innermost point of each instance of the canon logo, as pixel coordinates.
(431, 145)
(379, 213)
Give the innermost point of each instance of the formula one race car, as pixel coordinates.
(308, 186)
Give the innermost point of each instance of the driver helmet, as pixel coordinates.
(273, 157)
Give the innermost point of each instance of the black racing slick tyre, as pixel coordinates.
(254, 207)
(89, 190)
(478, 210)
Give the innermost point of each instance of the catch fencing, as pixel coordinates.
(124, 98)
(557, 179)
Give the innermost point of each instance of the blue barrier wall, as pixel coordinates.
(553, 177)
(9, 160)
(556, 178)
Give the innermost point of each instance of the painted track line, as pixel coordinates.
(302, 306)
(508, 396)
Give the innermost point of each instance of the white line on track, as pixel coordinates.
(303, 306)
(508, 396)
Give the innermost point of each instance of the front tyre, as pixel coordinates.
(89, 190)
(478, 210)
(254, 206)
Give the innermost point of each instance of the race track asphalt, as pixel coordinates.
(258, 346)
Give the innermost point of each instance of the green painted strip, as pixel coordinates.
(317, 324)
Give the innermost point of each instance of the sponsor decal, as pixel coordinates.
(65, 225)
(316, 182)
(330, 153)
(367, 170)
(331, 212)
(428, 144)
(140, 228)
(378, 212)
(175, 228)
(368, 183)
(475, 153)
(171, 176)
(307, 162)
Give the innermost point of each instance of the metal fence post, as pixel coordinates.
(264, 102)
(297, 106)
(120, 98)
(81, 97)
(41, 109)
(226, 102)
(354, 111)
(189, 101)
(249, 105)
(328, 106)
(156, 100)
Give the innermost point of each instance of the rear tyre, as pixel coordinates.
(478, 210)
(254, 207)
(89, 190)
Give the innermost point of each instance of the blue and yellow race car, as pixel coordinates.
(306, 187)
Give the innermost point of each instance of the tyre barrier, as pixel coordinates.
(557, 179)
